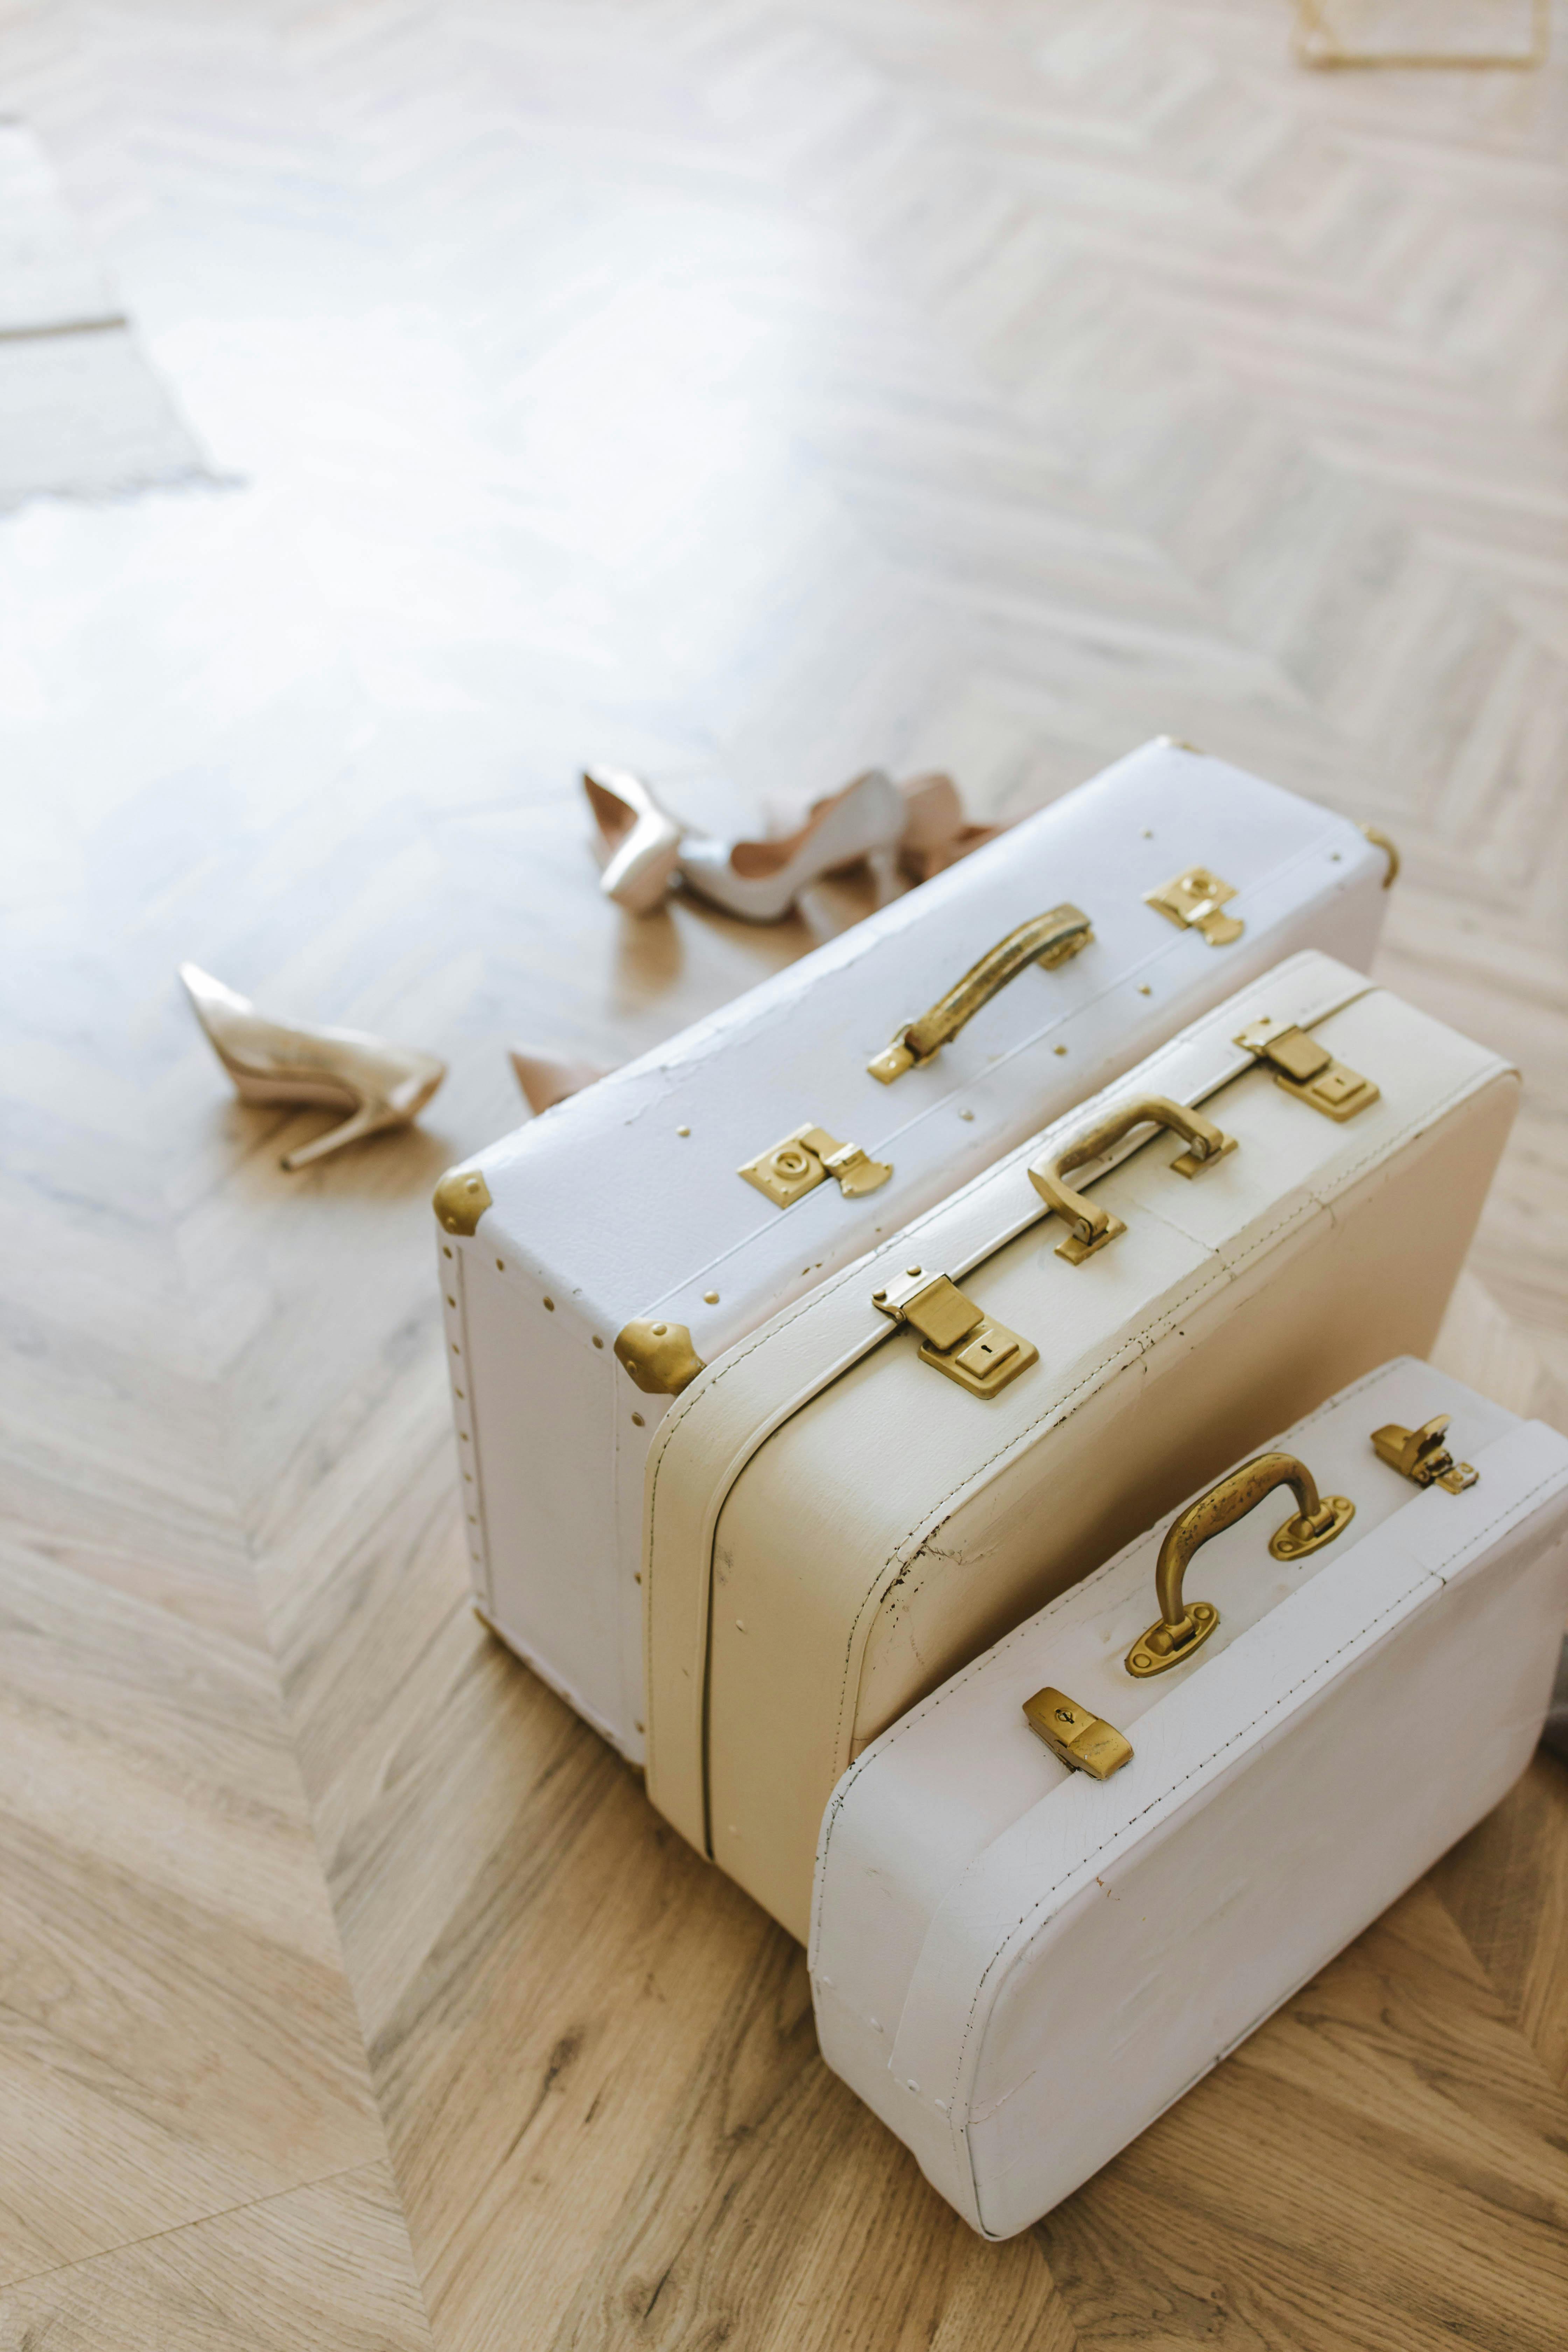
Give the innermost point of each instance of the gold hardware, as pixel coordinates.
(1315, 43)
(959, 1338)
(1308, 1070)
(1091, 1228)
(1380, 840)
(660, 1357)
(806, 1158)
(1421, 1455)
(461, 1200)
(1046, 939)
(1179, 1630)
(1193, 902)
(1075, 1738)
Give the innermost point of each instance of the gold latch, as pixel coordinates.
(1308, 1070)
(1193, 902)
(1075, 1738)
(959, 1338)
(807, 1158)
(1420, 1454)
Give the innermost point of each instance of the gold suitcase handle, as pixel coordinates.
(1091, 1228)
(1046, 939)
(1183, 1627)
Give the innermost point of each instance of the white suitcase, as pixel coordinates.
(842, 1512)
(666, 1211)
(1019, 1965)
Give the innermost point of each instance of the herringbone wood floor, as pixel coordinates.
(750, 388)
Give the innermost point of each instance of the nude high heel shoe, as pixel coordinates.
(762, 879)
(639, 842)
(545, 1081)
(936, 833)
(380, 1086)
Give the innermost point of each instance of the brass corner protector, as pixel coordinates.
(660, 1357)
(1380, 840)
(461, 1200)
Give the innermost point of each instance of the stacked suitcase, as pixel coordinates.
(831, 1383)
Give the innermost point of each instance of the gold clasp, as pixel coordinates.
(1308, 1070)
(1046, 939)
(1420, 1454)
(1193, 902)
(1075, 1738)
(807, 1158)
(959, 1338)
(1091, 1228)
(1181, 1628)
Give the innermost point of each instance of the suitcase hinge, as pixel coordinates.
(1075, 1738)
(959, 1338)
(1193, 902)
(807, 1158)
(1308, 1070)
(1420, 1456)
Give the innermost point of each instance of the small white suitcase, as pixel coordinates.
(665, 1212)
(1018, 1964)
(876, 1484)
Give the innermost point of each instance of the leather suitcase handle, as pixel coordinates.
(1091, 1228)
(1181, 1626)
(1046, 939)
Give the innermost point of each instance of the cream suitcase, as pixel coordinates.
(1018, 1964)
(842, 1512)
(669, 1209)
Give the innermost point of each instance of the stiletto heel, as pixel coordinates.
(639, 841)
(379, 1085)
(545, 1081)
(762, 879)
(936, 834)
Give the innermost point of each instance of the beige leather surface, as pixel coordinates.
(893, 1526)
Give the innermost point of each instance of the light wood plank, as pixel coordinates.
(326, 2264)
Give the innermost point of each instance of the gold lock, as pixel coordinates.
(956, 1337)
(1421, 1455)
(806, 1158)
(1308, 1070)
(1079, 1741)
(1192, 900)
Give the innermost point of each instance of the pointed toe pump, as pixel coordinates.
(546, 1081)
(639, 840)
(762, 879)
(936, 832)
(378, 1085)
